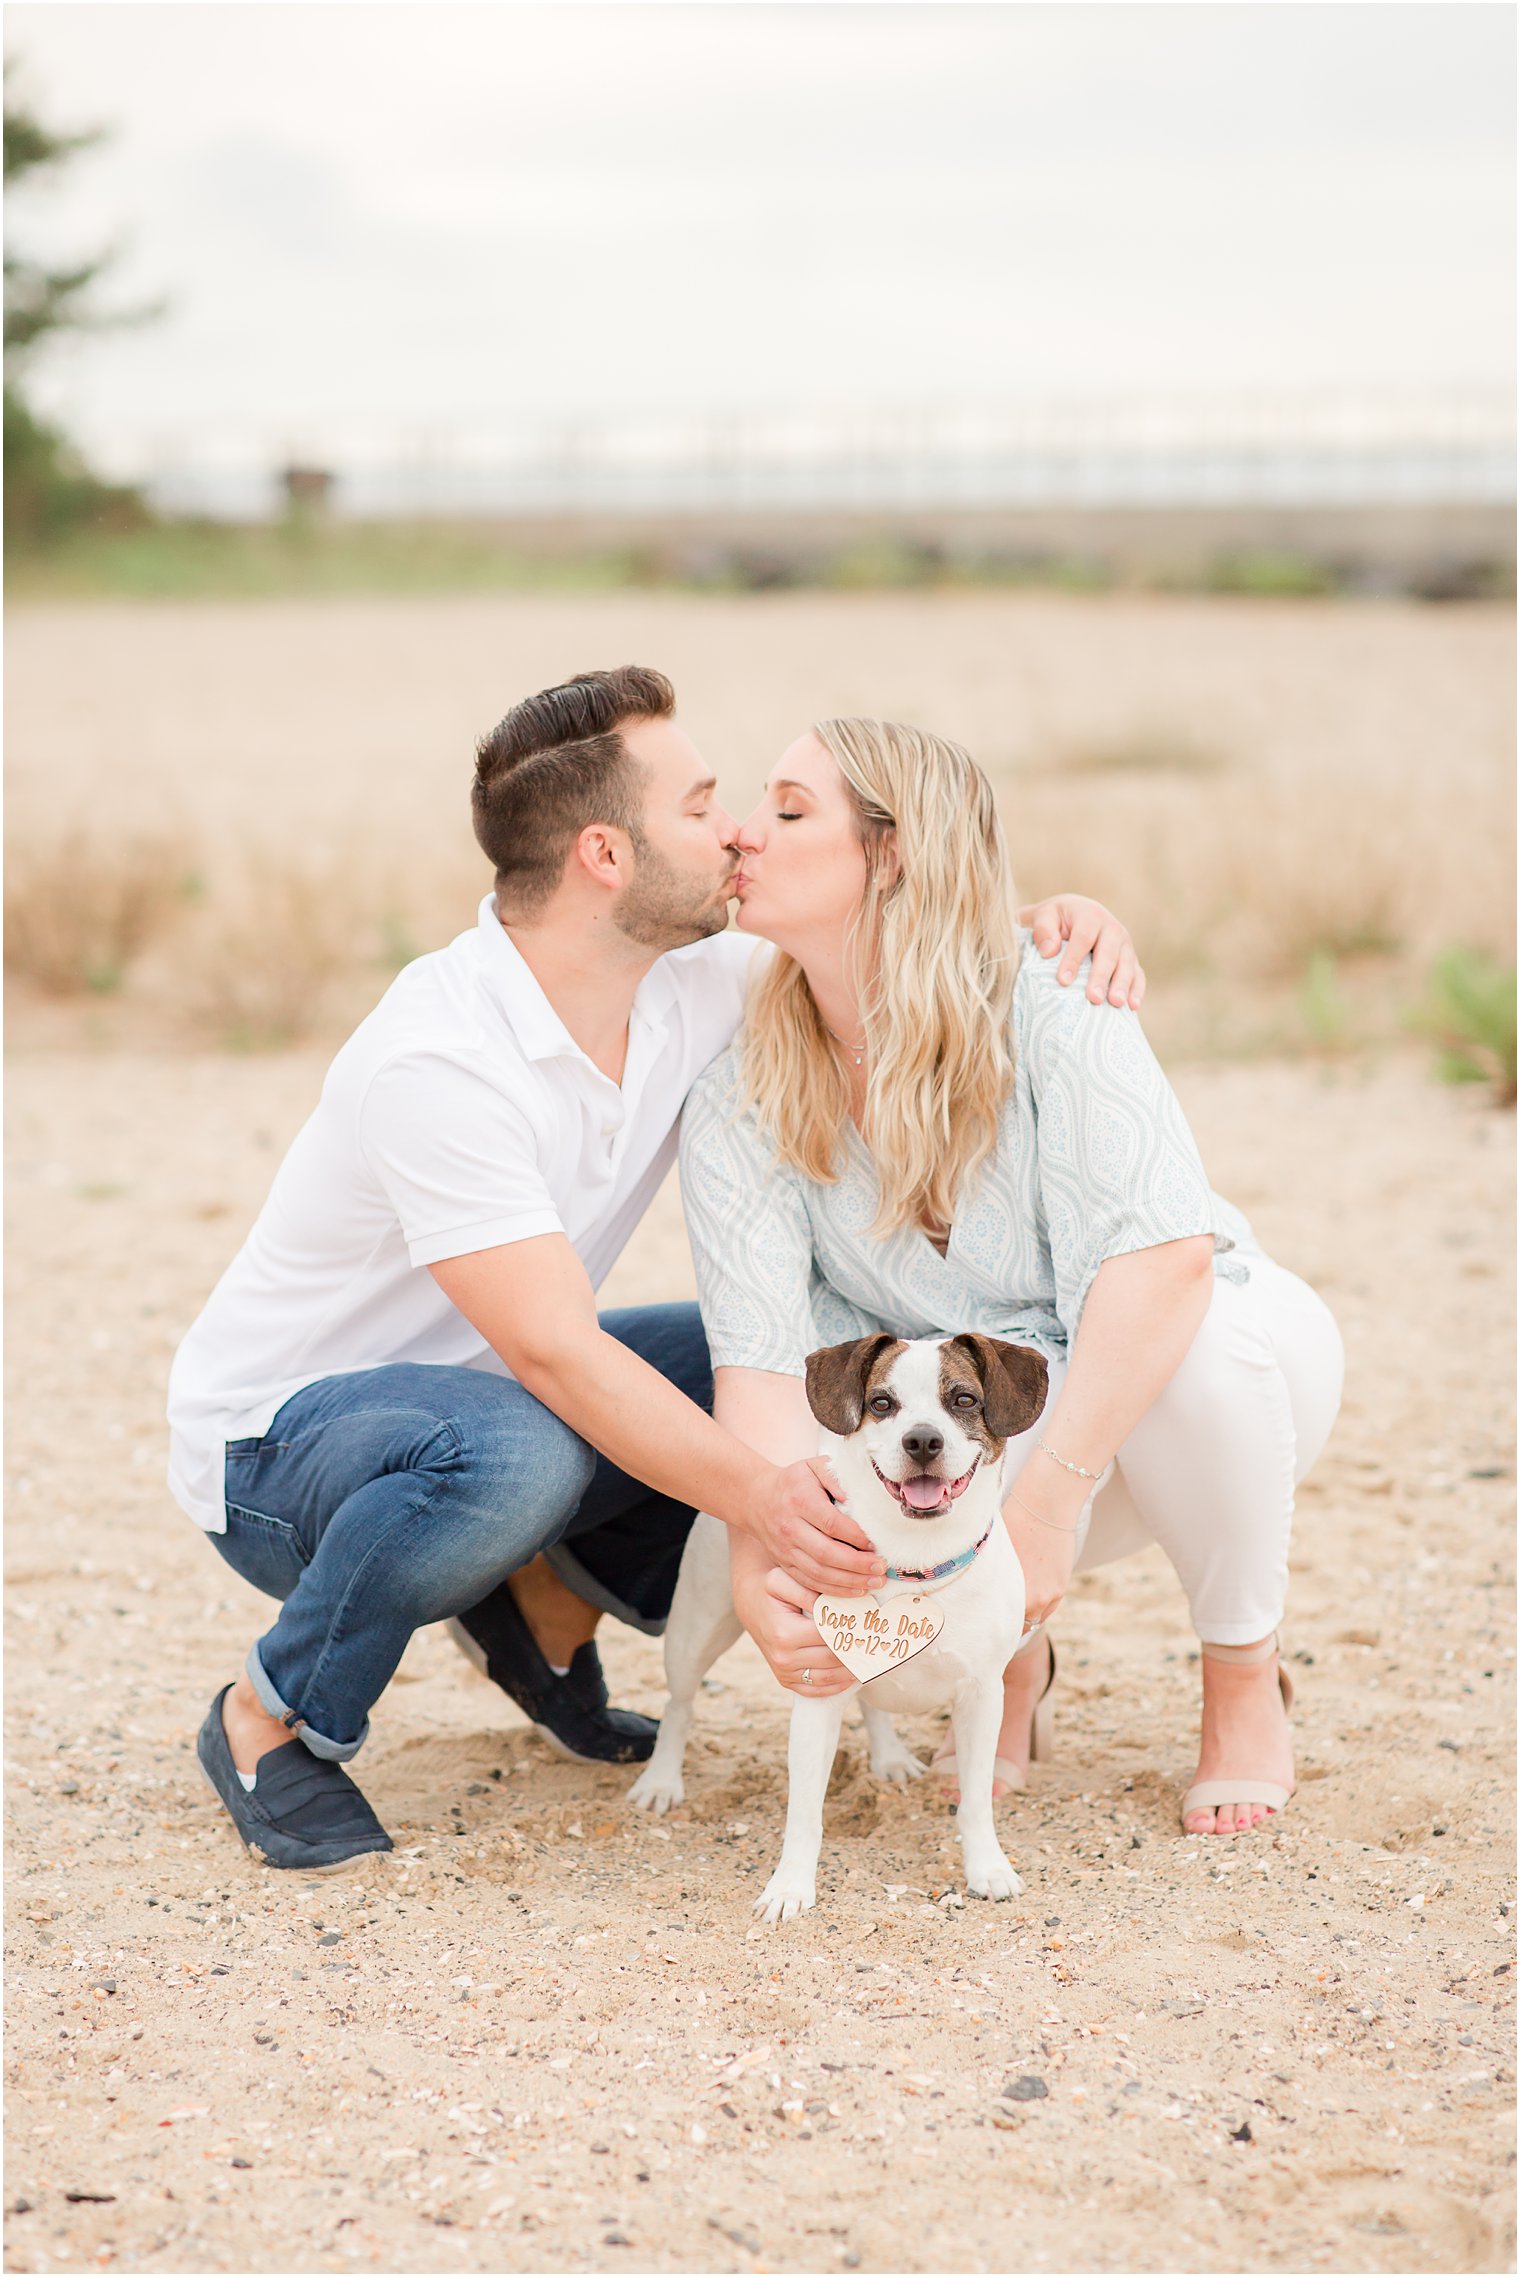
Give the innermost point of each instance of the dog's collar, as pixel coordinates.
(941, 1572)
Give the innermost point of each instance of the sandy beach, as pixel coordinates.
(547, 2035)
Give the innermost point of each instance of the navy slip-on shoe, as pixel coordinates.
(569, 1711)
(301, 1811)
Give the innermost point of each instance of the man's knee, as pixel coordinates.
(522, 1462)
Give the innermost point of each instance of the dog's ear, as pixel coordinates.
(1014, 1383)
(836, 1381)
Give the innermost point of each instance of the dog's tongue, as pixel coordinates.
(923, 1493)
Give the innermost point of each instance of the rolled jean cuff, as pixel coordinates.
(566, 1567)
(330, 1750)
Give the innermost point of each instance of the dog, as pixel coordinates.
(915, 1433)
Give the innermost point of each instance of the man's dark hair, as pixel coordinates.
(556, 763)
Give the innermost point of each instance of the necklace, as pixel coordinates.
(859, 1057)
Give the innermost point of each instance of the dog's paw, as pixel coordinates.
(992, 1877)
(785, 1895)
(895, 1763)
(657, 1790)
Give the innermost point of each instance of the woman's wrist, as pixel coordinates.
(1016, 1504)
(1085, 1463)
(1049, 1495)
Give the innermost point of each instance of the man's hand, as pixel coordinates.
(804, 1531)
(778, 1615)
(1079, 927)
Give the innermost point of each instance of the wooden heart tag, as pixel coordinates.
(871, 1638)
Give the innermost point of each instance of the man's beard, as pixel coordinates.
(664, 908)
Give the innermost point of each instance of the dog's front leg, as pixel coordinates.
(977, 1716)
(809, 1759)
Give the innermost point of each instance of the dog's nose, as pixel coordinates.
(923, 1444)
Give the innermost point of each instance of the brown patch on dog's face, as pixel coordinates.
(841, 1378)
(1008, 1381)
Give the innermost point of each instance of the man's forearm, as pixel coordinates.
(630, 1414)
(532, 1302)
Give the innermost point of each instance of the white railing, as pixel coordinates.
(1269, 449)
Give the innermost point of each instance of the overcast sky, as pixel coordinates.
(393, 217)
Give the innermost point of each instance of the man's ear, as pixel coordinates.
(1014, 1383)
(604, 853)
(836, 1381)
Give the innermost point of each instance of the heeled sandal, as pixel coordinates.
(1042, 1723)
(1213, 1794)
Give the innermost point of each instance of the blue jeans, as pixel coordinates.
(379, 1501)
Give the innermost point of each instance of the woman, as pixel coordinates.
(919, 1129)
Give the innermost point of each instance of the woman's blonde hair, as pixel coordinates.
(932, 957)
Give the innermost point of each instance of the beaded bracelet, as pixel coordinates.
(1039, 1521)
(1075, 1468)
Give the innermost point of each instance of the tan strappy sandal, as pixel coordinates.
(1042, 1732)
(1211, 1794)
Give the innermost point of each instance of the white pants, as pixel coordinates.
(1210, 1468)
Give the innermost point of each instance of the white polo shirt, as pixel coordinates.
(459, 1116)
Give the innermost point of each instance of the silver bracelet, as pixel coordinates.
(1039, 1521)
(1075, 1468)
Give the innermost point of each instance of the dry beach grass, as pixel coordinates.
(546, 2034)
(272, 796)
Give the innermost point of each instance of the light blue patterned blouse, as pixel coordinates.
(1093, 1160)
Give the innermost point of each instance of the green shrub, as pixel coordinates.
(1470, 1011)
(884, 564)
(1321, 1002)
(1270, 576)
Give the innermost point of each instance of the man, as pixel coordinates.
(401, 1392)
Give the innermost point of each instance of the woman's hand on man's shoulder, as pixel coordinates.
(1076, 928)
